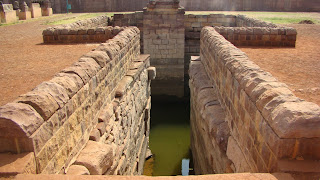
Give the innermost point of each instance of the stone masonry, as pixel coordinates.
(244, 120)
(7, 14)
(163, 39)
(91, 118)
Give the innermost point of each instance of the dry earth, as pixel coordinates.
(25, 62)
(298, 67)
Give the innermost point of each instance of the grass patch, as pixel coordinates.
(71, 18)
(273, 17)
(285, 20)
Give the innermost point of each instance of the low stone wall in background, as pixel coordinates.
(82, 35)
(259, 36)
(244, 21)
(92, 30)
(270, 128)
(104, 97)
(194, 23)
(81, 6)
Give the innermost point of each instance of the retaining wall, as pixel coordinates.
(130, 19)
(190, 5)
(259, 36)
(163, 39)
(268, 124)
(84, 31)
(239, 30)
(204, 177)
(104, 97)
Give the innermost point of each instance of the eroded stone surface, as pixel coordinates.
(13, 164)
(78, 170)
(19, 120)
(96, 157)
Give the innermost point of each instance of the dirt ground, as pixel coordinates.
(298, 67)
(25, 62)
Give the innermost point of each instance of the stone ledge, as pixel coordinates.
(245, 70)
(242, 176)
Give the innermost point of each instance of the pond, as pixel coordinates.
(169, 136)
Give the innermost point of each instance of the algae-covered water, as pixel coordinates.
(169, 136)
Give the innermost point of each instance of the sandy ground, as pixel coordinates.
(298, 67)
(25, 62)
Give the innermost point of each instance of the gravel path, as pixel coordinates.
(25, 62)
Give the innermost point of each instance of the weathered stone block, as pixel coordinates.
(95, 135)
(96, 157)
(24, 15)
(13, 164)
(78, 170)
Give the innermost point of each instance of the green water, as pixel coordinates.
(169, 135)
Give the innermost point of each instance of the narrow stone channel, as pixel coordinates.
(169, 136)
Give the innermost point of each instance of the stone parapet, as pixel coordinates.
(268, 123)
(80, 35)
(242, 176)
(244, 21)
(209, 127)
(57, 118)
(130, 19)
(259, 36)
(92, 30)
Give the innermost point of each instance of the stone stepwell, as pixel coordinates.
(94, 116)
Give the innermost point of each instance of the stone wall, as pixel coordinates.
(269, 126)
(252, 176)
(251, 5)
(239, 30)
(194, 23)
(190, 5)
(163, 39)
(244, 21)
(130, 19)
(209, 127)
(84, 31)
(104, 97)
(259, 36)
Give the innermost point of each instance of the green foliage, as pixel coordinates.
(285, 20)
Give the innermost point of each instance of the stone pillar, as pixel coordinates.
(7, 14)
(35, 10)
(46, 9)
(25, 13)
(163, 39)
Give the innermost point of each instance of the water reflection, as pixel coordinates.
(169, 136)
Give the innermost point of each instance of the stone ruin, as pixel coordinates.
(21, 9)
(7, 14)
(94, 117)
